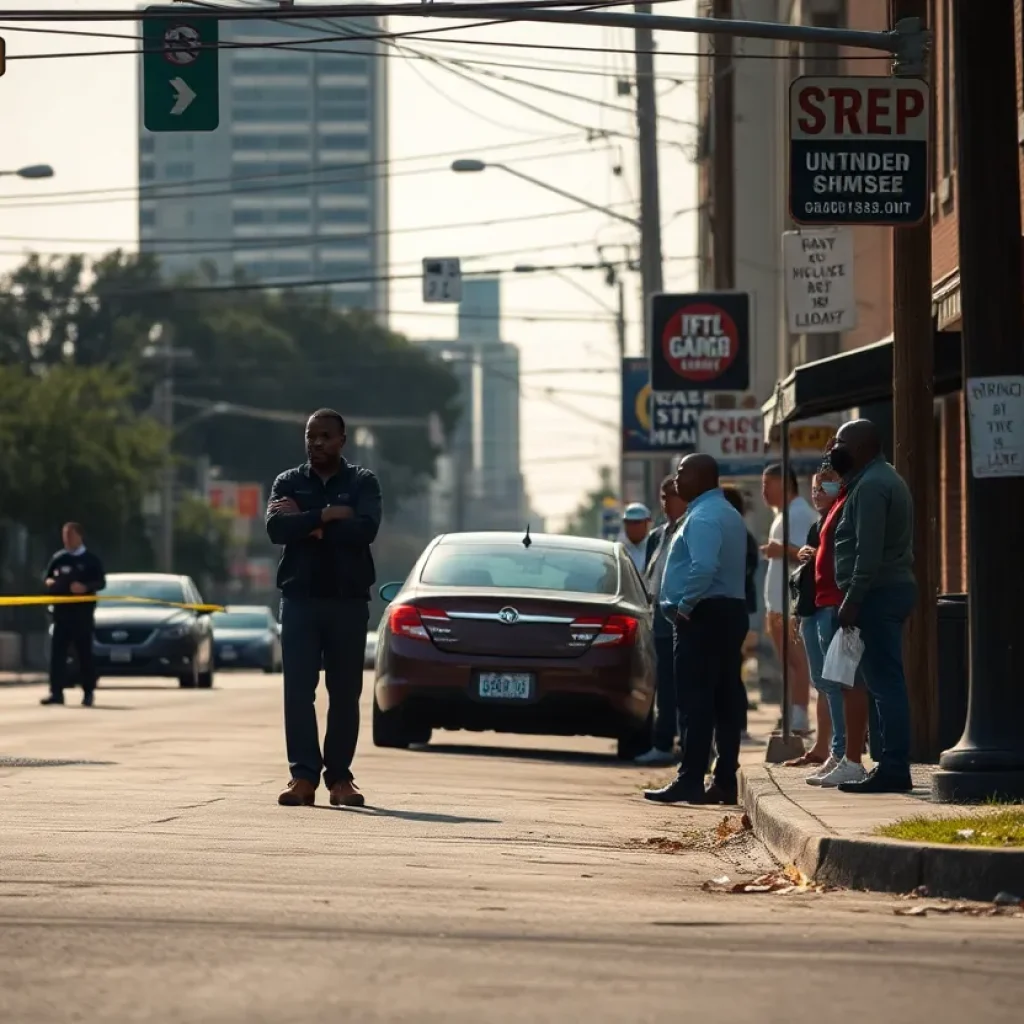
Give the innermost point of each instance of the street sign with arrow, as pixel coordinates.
(180, 72)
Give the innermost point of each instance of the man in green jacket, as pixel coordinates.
(874, 553)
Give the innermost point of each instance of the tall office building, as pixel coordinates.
(293, 185)
(479, 484)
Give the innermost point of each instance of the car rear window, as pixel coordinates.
(509, 567)
(240, 620)
(148, 590)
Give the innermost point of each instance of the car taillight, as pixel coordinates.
(615, 631)
(407, 620)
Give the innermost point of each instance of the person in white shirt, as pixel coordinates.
(802, 517)
(636, 528)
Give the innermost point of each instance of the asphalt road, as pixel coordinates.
(156, 879)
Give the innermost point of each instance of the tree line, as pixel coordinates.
(78, 379)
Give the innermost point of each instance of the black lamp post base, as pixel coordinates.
(977, 787)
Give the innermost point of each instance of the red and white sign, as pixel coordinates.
(731, 435)
(700, 342)
(867, 108)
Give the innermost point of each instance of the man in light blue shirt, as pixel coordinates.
(703, 594)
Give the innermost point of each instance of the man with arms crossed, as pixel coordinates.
(326, 513)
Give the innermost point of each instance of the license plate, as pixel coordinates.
(505, 685)
(121, 656)
(228, 654)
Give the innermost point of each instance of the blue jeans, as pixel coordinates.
(883, 614)
(816, 632)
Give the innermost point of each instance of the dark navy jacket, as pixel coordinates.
(347, 541)
(65, 568)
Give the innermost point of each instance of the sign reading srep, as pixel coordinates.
(700, 340)
(858, 150)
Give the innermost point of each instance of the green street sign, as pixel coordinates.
(180, 63)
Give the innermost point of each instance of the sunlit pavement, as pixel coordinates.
(155, 879)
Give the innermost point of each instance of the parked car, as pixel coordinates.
(246, 636)
(143, 639)
(496, 631)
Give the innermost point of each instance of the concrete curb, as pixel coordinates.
(794, 836)
(28, 679)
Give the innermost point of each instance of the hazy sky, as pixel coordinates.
(79, 114)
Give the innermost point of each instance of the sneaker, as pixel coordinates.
(814, 779)
(845, 771)
(655, 758)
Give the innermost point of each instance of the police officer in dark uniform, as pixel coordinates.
(326, 513)
(73, 571)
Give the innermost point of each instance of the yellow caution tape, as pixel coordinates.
(45, 599)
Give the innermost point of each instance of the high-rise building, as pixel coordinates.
(479, 484)
(293, 185)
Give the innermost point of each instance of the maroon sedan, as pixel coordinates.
(497, 631)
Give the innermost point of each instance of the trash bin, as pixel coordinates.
(953, 667)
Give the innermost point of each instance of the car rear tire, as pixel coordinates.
(389, 729)
(638, 742)
(205, 679)
(190, 680)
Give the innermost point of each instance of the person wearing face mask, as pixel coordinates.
(874, 558)
(842, 755)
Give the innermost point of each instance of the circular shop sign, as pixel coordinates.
(700, 342)
(181, 45)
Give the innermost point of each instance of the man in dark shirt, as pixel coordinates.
(73, 572)
(326, 513)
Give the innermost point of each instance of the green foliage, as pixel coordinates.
(72, 447)
(202, 540)
(586, 520)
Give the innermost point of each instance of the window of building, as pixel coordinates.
(147, 218)
(342, 64)
(147, 144)
(347, 267)
(179, 170)
(346, 216)
(289, 95)
(343, 188)
(342, 112)
(294, 215)
(345, 140)
(242, 217)
(147, 172)
(271, 143)
(343, 94)
(270, 114)
(262, 65)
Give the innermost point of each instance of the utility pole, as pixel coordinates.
(163, 339)
(913, 375)
(723, 173)
(989, 759)
(650, 198)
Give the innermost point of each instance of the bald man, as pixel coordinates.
(703, 595)
(874, 567)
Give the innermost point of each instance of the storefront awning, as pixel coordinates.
(850, 379)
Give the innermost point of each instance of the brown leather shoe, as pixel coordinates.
(300, 793)
(346, 794)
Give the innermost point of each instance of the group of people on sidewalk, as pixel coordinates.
(852, 550)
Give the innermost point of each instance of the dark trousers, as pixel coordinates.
(319, 632)
(71, 632)
(667, 724)
(708, 661)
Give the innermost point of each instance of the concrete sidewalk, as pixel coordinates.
(22, 678)
(831, 837)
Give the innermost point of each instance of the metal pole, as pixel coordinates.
(989, 759)
(913, 375)
(650, 196)
(166, 545)
(784, 654)
(723, 192)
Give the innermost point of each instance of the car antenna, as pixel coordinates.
(526, 540)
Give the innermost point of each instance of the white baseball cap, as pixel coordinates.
(636, 513)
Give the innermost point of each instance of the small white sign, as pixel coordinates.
(442, 280)
(996, 409)
(731, 435)
(820, 295)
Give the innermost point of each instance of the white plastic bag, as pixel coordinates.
(843, 657)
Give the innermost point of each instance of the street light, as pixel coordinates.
(468, 165)
(32, 171)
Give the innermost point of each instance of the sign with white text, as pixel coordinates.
(858, 151)
(700, 340)
(995, 407)
(820, 295)
(656, 422)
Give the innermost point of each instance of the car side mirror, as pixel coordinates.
(389, 591)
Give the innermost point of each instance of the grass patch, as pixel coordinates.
(1002, 828)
